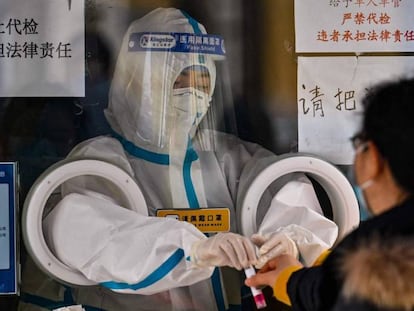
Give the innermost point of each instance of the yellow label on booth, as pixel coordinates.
(207, 220)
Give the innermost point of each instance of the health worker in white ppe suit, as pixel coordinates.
(161, 90)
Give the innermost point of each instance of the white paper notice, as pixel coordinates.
(354, 25)
(42, 50)
(330, 90)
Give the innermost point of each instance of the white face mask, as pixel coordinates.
(190, 106)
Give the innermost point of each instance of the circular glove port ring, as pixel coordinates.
(344, 203)
(39, 194)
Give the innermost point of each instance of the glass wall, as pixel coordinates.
(41, 125)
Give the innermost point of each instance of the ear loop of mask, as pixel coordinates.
(366, 184)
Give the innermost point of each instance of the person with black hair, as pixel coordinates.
(384, 170)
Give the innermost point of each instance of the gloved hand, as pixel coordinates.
(224, 249)
(272, 245)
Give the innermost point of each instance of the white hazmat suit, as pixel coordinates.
(144, 262)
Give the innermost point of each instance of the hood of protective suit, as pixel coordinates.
(139, 106)
(380, 272)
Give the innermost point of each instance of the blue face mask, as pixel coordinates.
(364, 211)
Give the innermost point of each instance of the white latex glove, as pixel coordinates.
(224, 249)
(272, 245)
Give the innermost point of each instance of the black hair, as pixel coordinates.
(389, 123)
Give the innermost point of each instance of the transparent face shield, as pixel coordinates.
(221, 116)
(165, 93)
(190, 102)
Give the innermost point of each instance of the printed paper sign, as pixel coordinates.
(354, 25)
(42, 50)
(330, 90)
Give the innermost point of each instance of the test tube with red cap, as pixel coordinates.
(257, 293)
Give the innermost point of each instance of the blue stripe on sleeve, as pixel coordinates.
(154, 277)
